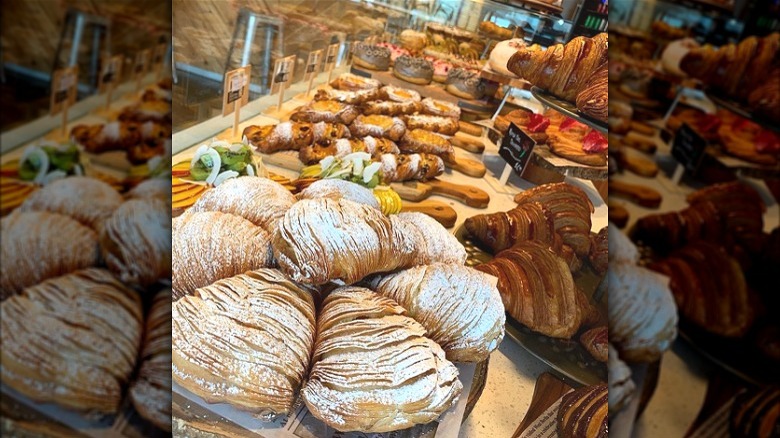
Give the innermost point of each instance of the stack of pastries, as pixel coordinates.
(395, 126)
(316, 290)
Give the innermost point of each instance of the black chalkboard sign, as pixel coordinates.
(360, 72)
(516, 148)
(688, 148)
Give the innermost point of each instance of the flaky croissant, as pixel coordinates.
(246, 341)
(208, 246)
(88, 200)
(373, 368)
(259, 200)
(136, 242)
(72, 340)
(459, 307)
(499, 231)
(41, 245)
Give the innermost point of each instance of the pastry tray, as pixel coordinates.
(567, 357)
(567, 109)
(740, 110)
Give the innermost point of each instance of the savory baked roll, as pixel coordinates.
(259, 200)
(136, 242)
(72, 340)
(208, 246)
(392, 128)
(432, 242)
(397, 94)
(459, 307)
(41, 245)
(320, 240)
(621, 387)
(389, 108)
(285, 136)
(438, 124)
(88, 200)
(420, 141)
(342, 147)
(353, 82)
(373, 368)
(584, 412)
(246, 341)
(642, 313)
(355, 97)
(337, 189)
(153, 188)
(329, 111)
(441, 108)
(151, 391)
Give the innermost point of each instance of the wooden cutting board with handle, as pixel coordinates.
(419, 191)
(547, 391)
(467, 142)
(467, 166)
(443, 213)
(640, 195)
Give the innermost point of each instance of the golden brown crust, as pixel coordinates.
(593, 100)
(437, 124)
(284, 136)
(418, 141)
(329, 111)
(389, 127)
(389, 108)
(352, 82)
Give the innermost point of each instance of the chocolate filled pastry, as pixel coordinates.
(371, 57)
(398, 94)
(584, 412)
(246, 341)
(438, 124)
(329, 111)
(441, 108)
(41, 245)
(72, 340)
(410, 167)
(414, 70)
(465, 84)
(238, 244)
(459, 307)
(342, 147)
(282, 137)
(420, 141)
(388, 127)
(88, 200)
(373, 369)
(136, 242)
(352, 82)
(390, 108)
(350, 97)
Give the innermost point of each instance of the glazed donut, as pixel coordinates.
(371, 57)
(414, 70)
(465, 84)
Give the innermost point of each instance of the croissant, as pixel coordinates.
(259, 200)
(88, 200)
(599, 251)
(151, 391)
(246, 341)
(710, 289)
(537, 289)
(642, 313)
(668, 231)
(337, 189)
(419, 141)
(595, 341)
(754, 412)
(373, 368)
(621, 387)
(411, 167)
(208, 246)
(153, 188)
(41, 245)
(459, 307)
(432, 242)
(584, 412)
(571, 209)
(593, 100)
(499, 231)
(72, 340)
(136, 242)
(342, 147)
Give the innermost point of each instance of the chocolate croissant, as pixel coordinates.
(458, 306)
(246, 341)
(201, 238)
(373, 368)
(499, 231)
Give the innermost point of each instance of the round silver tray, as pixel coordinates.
(567, 109)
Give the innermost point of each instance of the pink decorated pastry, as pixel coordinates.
(395, 51)
(440, 70)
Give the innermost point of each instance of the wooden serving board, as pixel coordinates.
(640, 195)
(467, 166)
(418, 191)
(548, 390)
(468, 142)
(443, 213)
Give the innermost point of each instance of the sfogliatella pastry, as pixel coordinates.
(441, 108)
(151, 391)
(642, 313)
(373, 368)
(330, 111)
(352, 82)
(337, 189)
(584, 412)
(259, 200)
(459, 307)
(200, 238)
(246, 341)
(621, 387)
(388, 127)
(41, 245)
(371, 57)
(136, 242)
(153, 188)
(414, 70)
(437, 124)
(465, 84)
(72, 340)
(432, 242)
(88, 200)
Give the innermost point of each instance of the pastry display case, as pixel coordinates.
(387, 155)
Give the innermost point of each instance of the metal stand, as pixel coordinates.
(76, 23)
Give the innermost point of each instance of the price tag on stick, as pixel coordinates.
(64, 87)
(110, 72)
(283, 72)
(516, 149)
(236, 93)
(330, 59)
(312, 68)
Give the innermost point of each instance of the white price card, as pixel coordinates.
(110, 72)
(63, 88)
(236, 89)
(313, 64)
(283, 73)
